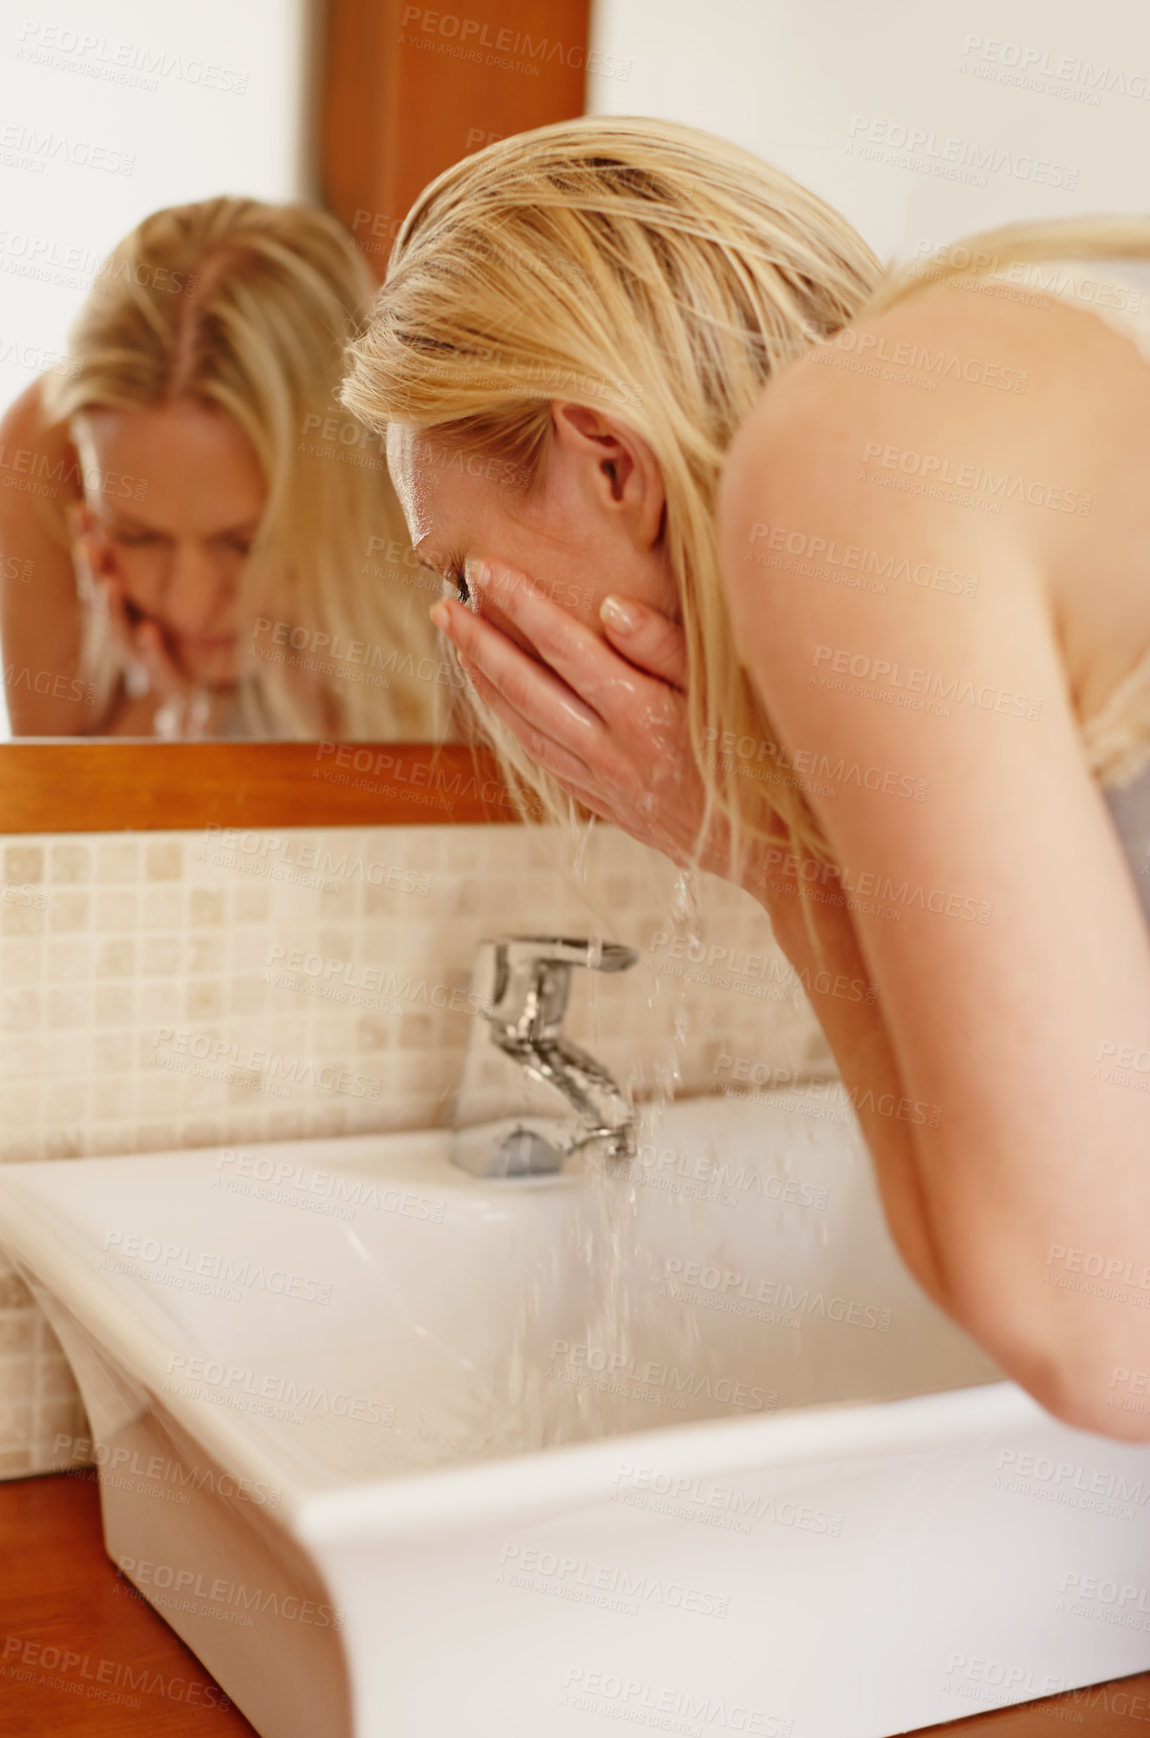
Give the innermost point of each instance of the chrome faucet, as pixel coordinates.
(521, 984)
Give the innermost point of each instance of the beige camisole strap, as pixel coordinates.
(1116, 738)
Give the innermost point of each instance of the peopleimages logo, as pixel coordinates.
(232, 1383)
(162, 1470)
(529, 1568)
(134, 1252)
(716, 1504)
(668, 1708)
(694, 1281)
(571, 1361)
(188, 1584)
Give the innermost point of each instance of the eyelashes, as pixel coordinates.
(464, 588)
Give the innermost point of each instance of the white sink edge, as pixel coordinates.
(416, 1501)
(450, 1494)
(28, 1243)
(585, 1471)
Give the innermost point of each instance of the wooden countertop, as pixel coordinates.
(70, 1634)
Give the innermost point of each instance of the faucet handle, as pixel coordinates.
(589, 951)
(524, 980)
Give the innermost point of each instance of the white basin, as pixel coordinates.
(373, 1442)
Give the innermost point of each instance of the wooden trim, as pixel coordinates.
(401, 102)
(101, 787)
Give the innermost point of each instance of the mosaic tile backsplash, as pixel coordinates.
(170, 990)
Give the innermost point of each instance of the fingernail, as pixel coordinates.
(623, 617)
(441, 616)
(476, 572)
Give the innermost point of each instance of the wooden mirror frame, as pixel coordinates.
(103, 786)
(398, 100)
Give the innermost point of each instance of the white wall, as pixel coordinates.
(827, 89)
(111, 109)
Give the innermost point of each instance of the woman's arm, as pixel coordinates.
(41, 614)
(997, 918)
(857, 1034)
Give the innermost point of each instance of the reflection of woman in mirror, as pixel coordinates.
(855, 573)
(212, 546)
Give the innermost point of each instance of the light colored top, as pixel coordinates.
(1117, 737)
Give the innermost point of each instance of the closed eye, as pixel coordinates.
(138, 539)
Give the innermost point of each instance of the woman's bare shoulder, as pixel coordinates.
(998, 423)
(25, 418)
(952, 363)
(39, 467)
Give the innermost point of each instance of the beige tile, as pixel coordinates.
(201, 1133)
(115, 910)
(65, 1416)
(164, 859)
(62, 1142)
(206, 906)
(159, 1003)
(161, 906)
(24, 864)
(68, 1005)
(70, 1102)
(252, 948)
(113, 1004)
(68, 957)
(20, 1009)
(19, 919)
(204, 1000)
(112, 1097)
(160, 954)
(115, 957)
(245, 995)
(69, 863)
(118, 860)
(112, 1052)
(24, 1056)
(206, 952)
(153, 1137)
(250, 904)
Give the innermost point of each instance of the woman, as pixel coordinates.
(618, 306)
(210, 546)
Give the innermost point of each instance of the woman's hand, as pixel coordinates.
(608, 719)
(177, 707)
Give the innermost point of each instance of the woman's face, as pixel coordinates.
(591, 524)
(177, 495)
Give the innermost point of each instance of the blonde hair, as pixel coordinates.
(635, 265)
(1022, 244)
(250, 307)
(662, 272)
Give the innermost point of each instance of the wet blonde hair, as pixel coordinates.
(639, 266)
(249, 307)
(1015, 244)
(661, 272)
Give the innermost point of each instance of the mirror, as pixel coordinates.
(216, 619)
(197, 542)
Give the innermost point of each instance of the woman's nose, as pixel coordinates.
(197, 593)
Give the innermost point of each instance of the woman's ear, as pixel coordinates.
(614, 466)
